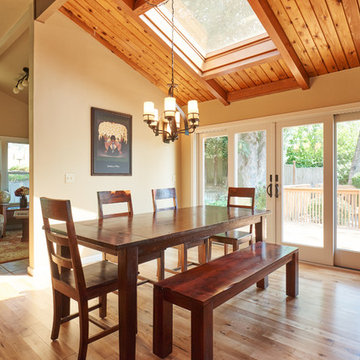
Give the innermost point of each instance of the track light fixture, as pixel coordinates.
(23, 82)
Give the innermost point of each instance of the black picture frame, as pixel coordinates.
(111, 142)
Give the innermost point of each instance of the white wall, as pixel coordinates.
(73, 72)
(13, 117)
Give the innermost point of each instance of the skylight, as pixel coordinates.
(214, 24)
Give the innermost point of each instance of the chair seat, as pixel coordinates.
(101, 273)
(231, 236)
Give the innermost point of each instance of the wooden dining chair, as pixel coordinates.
(118, 197)
(169, 194)
(71, 280)
(236, 237)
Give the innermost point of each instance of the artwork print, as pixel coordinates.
(111, 141)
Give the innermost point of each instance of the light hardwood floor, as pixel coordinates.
(322, 323)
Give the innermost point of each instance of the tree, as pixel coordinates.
(355, 163)
(216, 148)
(304, 145)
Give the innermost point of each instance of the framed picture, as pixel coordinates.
(111, 141)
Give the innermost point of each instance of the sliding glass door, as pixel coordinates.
(347, 214)
(304, 162)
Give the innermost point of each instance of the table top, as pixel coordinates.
(170, 226)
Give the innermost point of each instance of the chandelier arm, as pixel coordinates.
(156, 5)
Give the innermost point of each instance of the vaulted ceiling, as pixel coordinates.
(305, 38)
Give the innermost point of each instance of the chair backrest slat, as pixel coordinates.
(58, 239)
(241, 192)
(66, 255)
(114, 197)
(164, 194)
(62, 261)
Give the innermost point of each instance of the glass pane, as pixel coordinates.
(216, 170)
(302, 181)
(210, 24)
(18, 168)
(251, 164)
(348, 180)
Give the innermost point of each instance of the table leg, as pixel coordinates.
(128, 269)
(260, 230)
(203, 252)
(260, 236)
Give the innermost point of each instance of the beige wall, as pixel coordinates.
(327, 90)
(13, 117)
(73, 72)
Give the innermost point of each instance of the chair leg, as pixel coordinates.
(235, 246)
(161, 267)
(84, 329)
(183, 255)
(103, 304)
(56, 315)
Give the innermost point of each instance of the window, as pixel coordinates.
(17, 168)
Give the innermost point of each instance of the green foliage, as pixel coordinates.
(356, 180)
(260, 197)
(347, 137)
(304, 145)
(18, 177)
(216, 147)
(19, 168)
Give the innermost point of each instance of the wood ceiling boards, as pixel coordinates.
(307, 38)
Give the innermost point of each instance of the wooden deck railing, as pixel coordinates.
(305, 205)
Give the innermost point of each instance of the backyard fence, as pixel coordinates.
(305, 205)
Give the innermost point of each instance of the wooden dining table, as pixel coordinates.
(141, 237)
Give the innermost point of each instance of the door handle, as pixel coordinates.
(276, 186)
(269, 188)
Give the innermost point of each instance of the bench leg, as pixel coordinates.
(292, 276)
(163, 324)
(202, 333)
(264, 283)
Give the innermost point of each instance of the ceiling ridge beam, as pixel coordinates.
(47, 8)
(265, 89)
(272, 25)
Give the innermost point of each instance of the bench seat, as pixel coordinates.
(202, 289)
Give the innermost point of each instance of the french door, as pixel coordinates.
(240, 156)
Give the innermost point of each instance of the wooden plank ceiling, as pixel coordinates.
(313, 37)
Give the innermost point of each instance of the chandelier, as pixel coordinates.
(174, 121)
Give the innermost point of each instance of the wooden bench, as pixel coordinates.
(204, 288)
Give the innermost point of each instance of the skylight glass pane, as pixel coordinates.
(215, 24)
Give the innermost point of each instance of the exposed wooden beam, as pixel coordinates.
(45, 8)
(271, 24)
(142, 6)
(266, 89)
(15, 32)
(215, 91)
(218, 91)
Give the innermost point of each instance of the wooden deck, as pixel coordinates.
(323, 322)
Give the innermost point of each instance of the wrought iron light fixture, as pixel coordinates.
(174, 120)
(23, 82)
